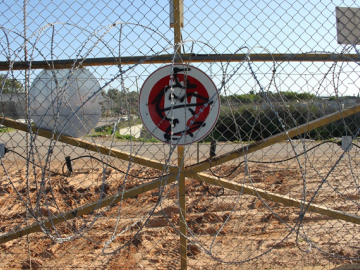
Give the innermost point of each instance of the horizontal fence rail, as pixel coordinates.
(161, 59)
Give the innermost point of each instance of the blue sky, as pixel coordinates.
(279, 26)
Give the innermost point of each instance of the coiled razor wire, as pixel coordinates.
(45, 176)
(53, 141)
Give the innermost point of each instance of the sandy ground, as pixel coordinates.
(231, 231)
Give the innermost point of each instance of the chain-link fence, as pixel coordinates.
(190, 134)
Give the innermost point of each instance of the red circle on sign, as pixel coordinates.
(160, 92)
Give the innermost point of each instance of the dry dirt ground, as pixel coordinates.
(226, 229)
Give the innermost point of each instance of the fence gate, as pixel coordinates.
(179, 134)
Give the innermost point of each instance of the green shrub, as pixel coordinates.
(246, 124)
(6, 129)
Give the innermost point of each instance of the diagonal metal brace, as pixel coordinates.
(253, 147)
(284, 199)
(87, 145)
(89, 208)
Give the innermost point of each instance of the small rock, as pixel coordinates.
(33, 263)
(7, 189)
(52, 250)
(47, 211)
(193, 250)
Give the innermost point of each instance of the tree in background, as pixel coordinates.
(114, 94)
(8, 85)
(125, 101)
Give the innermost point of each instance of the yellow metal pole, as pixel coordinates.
(177, 24)
(182, 202)
(180, 149)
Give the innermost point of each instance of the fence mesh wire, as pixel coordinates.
(85, 184)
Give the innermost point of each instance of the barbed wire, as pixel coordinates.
(42, 180)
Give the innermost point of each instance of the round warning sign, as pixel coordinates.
(179, 104)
